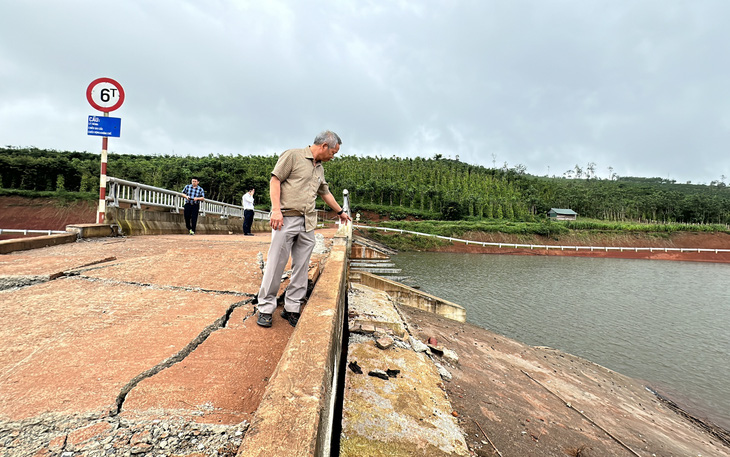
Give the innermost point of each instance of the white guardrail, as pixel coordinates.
(543, 246)
(138, 195)
(25, 232)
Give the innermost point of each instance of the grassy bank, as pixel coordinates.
(546, 227)
(582, 232)
(61, 195)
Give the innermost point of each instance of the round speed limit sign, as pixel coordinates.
(105, 94)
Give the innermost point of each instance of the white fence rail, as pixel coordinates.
(543, 246)
(26, 232)
(138, 195)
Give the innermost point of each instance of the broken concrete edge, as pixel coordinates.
(368, 427)
(399, 333)
(13, 282)
(93, 230)
(296, 414)
(408, 296)
(25, 244)
(74, 232)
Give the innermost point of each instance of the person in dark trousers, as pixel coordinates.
(296, 181)
(193, 194)
(247, 202)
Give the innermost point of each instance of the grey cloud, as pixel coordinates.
(637, 86)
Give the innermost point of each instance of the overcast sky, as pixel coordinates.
(640, 86)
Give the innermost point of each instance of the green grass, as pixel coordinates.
(396, 213)
(406, 242)
(62, 196)
(545, 227)
(594, 224)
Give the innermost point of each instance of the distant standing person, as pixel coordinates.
(194, 194)
(296, 180)
(248, 212)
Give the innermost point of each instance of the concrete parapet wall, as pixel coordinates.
(24, 244)
(409, 296)
(295, 415)
(93, 230)
(133, 221)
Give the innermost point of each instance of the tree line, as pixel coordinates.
(427, 188)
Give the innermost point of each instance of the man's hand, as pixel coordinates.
(344, 218)
(276, 220)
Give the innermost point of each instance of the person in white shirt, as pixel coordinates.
(248, 212)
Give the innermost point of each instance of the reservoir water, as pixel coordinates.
(667, 323)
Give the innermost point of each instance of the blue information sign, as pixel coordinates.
(104, 126)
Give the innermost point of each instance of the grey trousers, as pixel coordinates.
(290, 239)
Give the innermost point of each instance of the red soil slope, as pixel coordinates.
(688, 240)
(42, 214)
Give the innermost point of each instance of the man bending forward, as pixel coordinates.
(296, 180)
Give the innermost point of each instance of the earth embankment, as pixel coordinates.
(691, 241)
(43, 214)
(623, 245)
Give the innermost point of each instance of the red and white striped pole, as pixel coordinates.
(106, 95)
(102, 180)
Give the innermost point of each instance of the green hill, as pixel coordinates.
(398, 188)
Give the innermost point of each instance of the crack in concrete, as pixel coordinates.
(161, 287)
(249, 315)
(20, 281)
(219, 323)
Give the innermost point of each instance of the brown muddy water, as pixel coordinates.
(667, 323)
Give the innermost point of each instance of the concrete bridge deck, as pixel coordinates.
(148, 346)
(114, 336)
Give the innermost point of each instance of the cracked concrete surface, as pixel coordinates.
(179, 356)
(144, 331)
(408, 413)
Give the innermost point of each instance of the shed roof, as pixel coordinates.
(564, 212)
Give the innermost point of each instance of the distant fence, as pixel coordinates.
(544, 246)
(34, 232)
(138, 195)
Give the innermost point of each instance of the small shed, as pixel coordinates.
(562, 214)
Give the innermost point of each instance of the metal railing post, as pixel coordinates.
(346, 201)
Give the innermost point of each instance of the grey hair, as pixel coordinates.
(329, 138)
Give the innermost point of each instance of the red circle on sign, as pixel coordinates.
(90, 94)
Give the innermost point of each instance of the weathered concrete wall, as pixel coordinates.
(295, 415)
(408, 296)
(359, 251)
(133, 221)
(93, 230)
